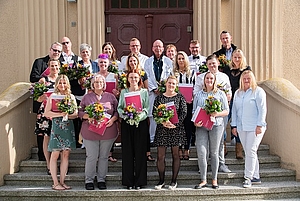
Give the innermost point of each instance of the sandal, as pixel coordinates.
(150, 158)
(66, 186)
(186, 157)
(58, 187)
(112, 159)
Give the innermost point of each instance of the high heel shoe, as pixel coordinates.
(173, 186)
(159, 186)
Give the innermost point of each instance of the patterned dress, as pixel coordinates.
(62, 135)
(43, 124)
(170, 137)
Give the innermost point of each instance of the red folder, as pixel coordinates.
(187, 91)
(200, 115)
(56, 99)
(134, 98)
(46, 72)
(48, 93)
(99, 127)
(174, 119)
(110, 85)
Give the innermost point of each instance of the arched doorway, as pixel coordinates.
(148, 20)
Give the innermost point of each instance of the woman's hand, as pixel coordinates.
(42, 80)
(109, 123)
(234, 131)
(258, 130)
(168, 124)
(199, 124)
(42, 98)
(116, 92)
(81, 80)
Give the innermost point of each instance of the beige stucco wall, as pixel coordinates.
(283, 117)
(16, 128)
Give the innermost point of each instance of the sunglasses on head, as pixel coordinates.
(65, 43)
(55, 50)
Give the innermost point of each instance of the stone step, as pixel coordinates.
(191, 165)
(114, 178)
(80, 153)
(265, 191)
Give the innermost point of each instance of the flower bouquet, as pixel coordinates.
(113, 68)
(223, 61)
(74, 71)
(203, 67)
(131, 116)
(162, 113)
(37, 89)
(221, 86)
(87, 82)
(122, 79)
(66, 105)
(212, 105)
(96, 111)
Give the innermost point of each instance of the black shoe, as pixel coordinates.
(129, 187)
(101, 185)
(152, 144)
(215, 186)
(200, 186)
(89, 186)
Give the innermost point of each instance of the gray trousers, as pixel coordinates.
(208, 142)
(96, 151)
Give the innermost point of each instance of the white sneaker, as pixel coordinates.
(247, 183)
(224, 168)
(82, 146)
(172, 186)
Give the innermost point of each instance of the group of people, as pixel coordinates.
(241, 99)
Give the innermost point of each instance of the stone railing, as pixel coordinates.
(283, 122)
(16, 128)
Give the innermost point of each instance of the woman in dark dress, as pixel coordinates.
(170, 135)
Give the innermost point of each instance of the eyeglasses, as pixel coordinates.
(65, 43)
(55, 50)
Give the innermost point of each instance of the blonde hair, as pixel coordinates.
(215, 88)
(62, 77)
(243, 64)
(187, 68)
(253, 83)
(98, 77)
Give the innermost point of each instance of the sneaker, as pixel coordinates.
(247, 183)
(224, 168)
(255, 181)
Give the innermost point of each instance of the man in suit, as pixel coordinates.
(195, 59)
(227, 46)
(158, 67)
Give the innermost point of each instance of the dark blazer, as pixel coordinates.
(38, 67)
(74, 58)
(223, 50)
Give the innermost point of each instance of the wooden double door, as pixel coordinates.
(148, 20)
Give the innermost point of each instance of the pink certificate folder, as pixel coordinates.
(110, 85)
(134, 98)
(200, 115)
(99, 127)
(174, 119)
(46, 72)
(56, 99)
(48, 94)
(187, 91)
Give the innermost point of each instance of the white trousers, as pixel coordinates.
(250, 142)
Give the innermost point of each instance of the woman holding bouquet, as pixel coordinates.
(43, 124)
(208, 141)
(98, 145)
(62, 138)
(134, 128)
(249, 112)
(168, 134)
(187, 76)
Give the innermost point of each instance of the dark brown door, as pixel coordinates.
(148, 20)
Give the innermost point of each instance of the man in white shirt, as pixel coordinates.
(196, 59)
(135, 47)
(222, 80)
(67, 56)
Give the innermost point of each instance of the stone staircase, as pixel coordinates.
(32, 182)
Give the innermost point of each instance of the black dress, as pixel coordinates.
(175, 136)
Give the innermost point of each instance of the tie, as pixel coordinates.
(196, 57)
